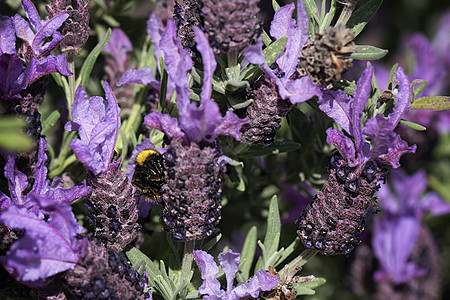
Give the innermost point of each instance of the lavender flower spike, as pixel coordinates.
(332, 222)
(229, 261)
(191, 198)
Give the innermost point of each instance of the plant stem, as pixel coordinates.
(233, 66)
(299, 261)
(186, 264)
(71, 65)
(347, 10)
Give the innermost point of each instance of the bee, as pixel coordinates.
(149, 175)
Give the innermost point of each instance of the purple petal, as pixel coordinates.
(97, 123)
(145, 144)
(299, 90)
(428, 65)
(66, 196)
(360, 97)
(48, 247)
(230, 125)
(209, 62)
(142, 76)
(10, 69)
(283, 24)
(164, 123)
(254, 55)
(262, 281)
(39, 46)
(7, 36)
(229, 261)
(403, 97)
(118, 46)
(23, 29)
(40, 172)
(38, 68)
(393, 242)
(17, 181)
(336, 104)
(178, 62)
(5, 201)
(209, 271)
(441, 40)
(344, 145)
(435, 204)
(155, 30)
(32, 14)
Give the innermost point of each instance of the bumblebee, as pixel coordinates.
(148, 175)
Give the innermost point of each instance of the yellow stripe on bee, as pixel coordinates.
(144, 154)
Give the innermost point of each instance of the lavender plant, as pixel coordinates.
(206, 121)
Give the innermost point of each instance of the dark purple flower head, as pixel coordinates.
(229, 262)
(395, 234)
(386, 146)
(49, 245)
(300, 89)
(97, 122)
(36, 32)
(17, 184)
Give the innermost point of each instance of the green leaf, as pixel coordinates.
(288, 251)
(417, 90)
(248, 252)
(89, 63)
(366, 52)
(313, 15)
(11, 137)
(432, 103)
(275, 148)
(275, 5)
(271, 53)
(266, 38)
(306, 288)
(272, 238)
(413, 125)
(50, 121)
(328, 17)
(362, 15)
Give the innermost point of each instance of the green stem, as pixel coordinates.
(71, 64)
(299, 261)
(347, 10)
(186, 264)
(233, 66)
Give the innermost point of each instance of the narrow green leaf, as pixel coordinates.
(326, 22)
(275, 5)
(272, 237)
(432, 103)
(89, 63)
(366, 52)
(413, 125)
(287, 252)
(301, 290)
(248, 252)
(313, 12)
(316, 282)
(275, 148)
(417, 90)
(362, 15)
(271, 53)
(211, 243)
(50, 121)
(266, 38)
